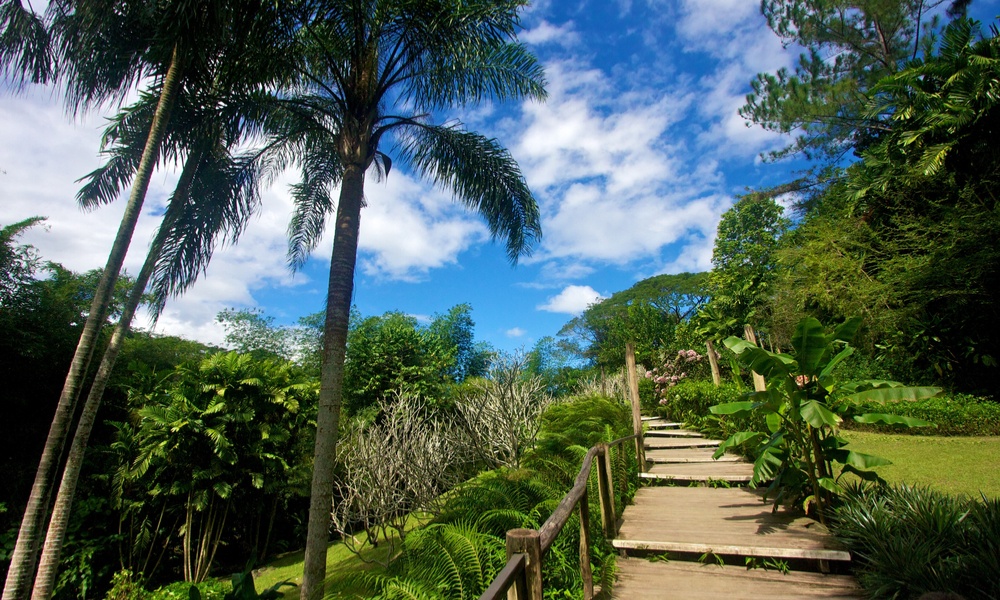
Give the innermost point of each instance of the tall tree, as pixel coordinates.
(106, 47)
(456, 328)
(743, 261)
(378, 69)
(849, 46)
(215, 196)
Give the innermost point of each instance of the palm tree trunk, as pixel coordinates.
(49, 565)
(25, 556)
(338, 314)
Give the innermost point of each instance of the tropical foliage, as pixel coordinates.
(801, 453)
(913, 540)
(648, 313)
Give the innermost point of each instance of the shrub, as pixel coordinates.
(908, 541)
(955, 414)
(212, 589)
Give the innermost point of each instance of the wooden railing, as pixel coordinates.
(521, 578)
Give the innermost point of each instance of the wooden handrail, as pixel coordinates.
(527, 547)
(506, 577)
(557, 520)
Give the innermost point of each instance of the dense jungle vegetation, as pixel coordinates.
(202, 460)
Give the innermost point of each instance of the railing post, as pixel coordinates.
(585, 571)
(633, 393)
(713, 361)
(605, 491)
(529, 543)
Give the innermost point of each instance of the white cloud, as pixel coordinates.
(409, 228)
(515, 332)
(573, 300)
(615, 183)
(545, 33)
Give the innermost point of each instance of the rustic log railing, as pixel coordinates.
(521, 578)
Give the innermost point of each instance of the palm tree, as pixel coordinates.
(366, 58)
(214, 199)
(106, 47)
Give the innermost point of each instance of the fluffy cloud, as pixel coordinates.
(515, 332)
(408, 229)
(615, 184)
(547, 33)
(573, 300)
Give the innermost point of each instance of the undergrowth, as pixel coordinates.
(908, 541)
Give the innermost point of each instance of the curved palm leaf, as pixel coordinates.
(483, 176)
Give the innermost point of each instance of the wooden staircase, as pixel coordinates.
(702, 542)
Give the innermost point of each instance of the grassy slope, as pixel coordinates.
(957, 465)
(341, 564)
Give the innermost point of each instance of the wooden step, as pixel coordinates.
(641, 579)
(722, 521)
(687, 455)
(663, 425)
(684, 433)
(659, 443)
(730, 472)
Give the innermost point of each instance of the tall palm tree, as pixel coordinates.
(105, 48)
(367, 59)
(215, 197)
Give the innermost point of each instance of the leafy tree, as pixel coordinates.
(456, 328)
(553, 364)
(216, 437)
(743, 267)
(18, 263)
(391, 352)
(906, 239)
(849, 47)
(377, 71)
(647, 314)
(249, 331)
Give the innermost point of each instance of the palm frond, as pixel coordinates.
(485, 178)
(26, 53)
(223, 196)
(321, 170)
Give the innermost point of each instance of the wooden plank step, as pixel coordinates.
(658, 443)
(724, 521)
(663, 424)
(683, 433)
(696, 478)
(687, 455)
(732, 472)
(650, 418)
(640, 579)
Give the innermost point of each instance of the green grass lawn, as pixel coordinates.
(341, 565)
(957, 465)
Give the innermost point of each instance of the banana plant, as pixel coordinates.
(805, 403)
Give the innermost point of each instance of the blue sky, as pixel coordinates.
(633, 159)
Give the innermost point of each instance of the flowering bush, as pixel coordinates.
(672, 371)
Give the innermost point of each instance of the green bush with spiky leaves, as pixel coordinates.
(907, 541)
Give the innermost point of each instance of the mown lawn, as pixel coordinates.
(341, 566)
(957, 465)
